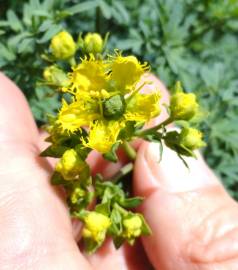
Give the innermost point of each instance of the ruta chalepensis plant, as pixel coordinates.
(103, 109)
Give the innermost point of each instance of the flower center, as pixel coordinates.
(114, 107)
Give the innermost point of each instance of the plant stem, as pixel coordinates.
(129, 150)
(144, 132)
(98, 20)
(72, 61)
(122, 172)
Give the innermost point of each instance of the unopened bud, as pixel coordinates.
(191, 138)
(63, 46)
(93, 43)
(183, 106)
(55, 76)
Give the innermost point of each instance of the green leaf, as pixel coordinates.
(103, 208)
(13, 21)
(26, 45)
(45, 25)
(131, 202)
(57, 179)
(82, 7)
(145, 227)
(53, 30)
(54, 151)
(112, 155)
(6, 53)
(105, 9)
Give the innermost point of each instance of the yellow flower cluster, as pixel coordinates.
(132, 227)
(105, 96)
(96, 226)
(70, 165)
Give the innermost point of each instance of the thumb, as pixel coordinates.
(194, 222)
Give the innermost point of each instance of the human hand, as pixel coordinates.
(192, 218)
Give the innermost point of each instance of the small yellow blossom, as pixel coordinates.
(102, 135)
(183, 106)
(63, 46)
(70, 165)
(132, 227)
(77, 194)
(90, 74)
(55, 76)
(77, 114)
(143, 107)
(93, 43)
(191, 138)
(96, 226)
(77, 82)
(126, 71)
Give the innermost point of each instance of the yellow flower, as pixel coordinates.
(70, 165)
(102, 135)
(55, 76)
(77, 194)
(63, 46)
(143, 107)
(191, 138)
(96, 226)
(183, 106)
(90, 74)
(77, 82)
(126, 71)
(93, 43)
(77, 114)
(132, 227)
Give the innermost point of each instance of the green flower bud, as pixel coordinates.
(191, 138)
(55, 76)
(114, 107)
(183, 106)
(63, 46)
(93, 43)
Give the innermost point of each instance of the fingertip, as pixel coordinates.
(16, 121)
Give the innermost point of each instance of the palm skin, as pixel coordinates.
(193, 219)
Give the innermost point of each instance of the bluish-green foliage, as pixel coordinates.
(194, 41)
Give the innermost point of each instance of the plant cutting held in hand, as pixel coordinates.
(103, 108)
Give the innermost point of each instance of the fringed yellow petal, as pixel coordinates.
(143, 107)
(102, 135)
(127, 71)
(90, 74)
(76, 115)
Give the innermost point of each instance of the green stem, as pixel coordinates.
(129, 150)
(72, 61)
(126, 169)
(144, 132)
(98, 20)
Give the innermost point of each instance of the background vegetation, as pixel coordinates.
(194, 41)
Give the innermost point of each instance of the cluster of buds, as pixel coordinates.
(103, 109)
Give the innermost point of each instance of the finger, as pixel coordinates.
(193, 220)
(124, 258)
(35, 228)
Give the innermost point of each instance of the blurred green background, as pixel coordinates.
(194, 41)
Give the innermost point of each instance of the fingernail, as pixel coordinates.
(172, 175)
